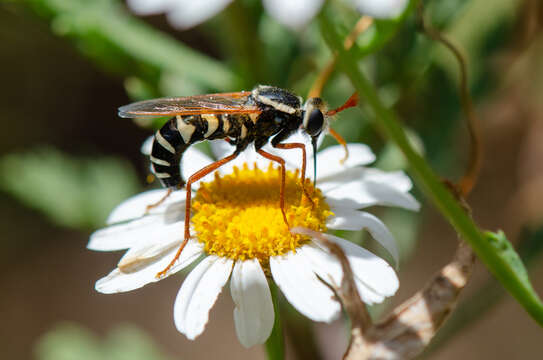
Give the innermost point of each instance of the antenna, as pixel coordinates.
(351, 102)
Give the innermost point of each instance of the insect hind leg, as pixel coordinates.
(169, 191)
(193, 178)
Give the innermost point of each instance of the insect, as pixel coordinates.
(266, 113)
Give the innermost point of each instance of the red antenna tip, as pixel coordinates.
(351, 102)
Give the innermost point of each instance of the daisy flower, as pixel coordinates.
(239, 234)
(294, 14)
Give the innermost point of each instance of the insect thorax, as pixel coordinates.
(270, 97)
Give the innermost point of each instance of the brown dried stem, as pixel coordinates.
(409, 329)
(468, 180)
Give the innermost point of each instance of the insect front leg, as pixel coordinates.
(304, 164)
(193, 178)
(281, 161)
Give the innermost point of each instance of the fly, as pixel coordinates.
(265, 114)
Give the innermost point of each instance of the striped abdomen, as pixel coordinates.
(180, 132)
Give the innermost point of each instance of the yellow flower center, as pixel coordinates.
(238, 215)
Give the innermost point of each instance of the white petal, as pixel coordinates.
(302, 288)
(221, 148)
(148, 7)
(136, 206)
(368, 268)
(144, 271)
(395, 179)
(147, 146)
(346, 219)
(381, 8)
(140, 231)
(139, 256)
(294, 14)
(194, 160)
(253, 314)
(198, 294)
(329, 159)
(355, 188)
(322, 263)
(189, 13)
(327, 266)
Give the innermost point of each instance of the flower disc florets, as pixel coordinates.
(238, 215)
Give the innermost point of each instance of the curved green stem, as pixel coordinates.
(246, 51)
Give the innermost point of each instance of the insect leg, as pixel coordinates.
(193, 178)
(342, 142)
(283, 175)
(304, 163)
(162, 199)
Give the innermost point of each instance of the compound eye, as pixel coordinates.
(315, 122)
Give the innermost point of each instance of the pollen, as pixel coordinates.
(238, 215)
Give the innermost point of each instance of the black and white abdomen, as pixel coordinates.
(173, 139)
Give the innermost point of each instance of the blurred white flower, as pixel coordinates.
(295, 14)
(381, 8)
(240, 233)
(185, 14)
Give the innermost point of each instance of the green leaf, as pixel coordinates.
(72, 192)
(106, 33)
(505, 250)
(385, 120)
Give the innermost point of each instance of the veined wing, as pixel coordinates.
(221, 103)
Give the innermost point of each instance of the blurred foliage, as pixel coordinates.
(70, 341)
(105, 32)
(481, 30)
(71, 191)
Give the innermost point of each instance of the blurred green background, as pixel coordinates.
(66, 160)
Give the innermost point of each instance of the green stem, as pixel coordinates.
(247, 51)
(431, 185)
(275, 347)
(300, 330)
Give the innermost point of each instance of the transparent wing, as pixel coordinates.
(190, 105)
